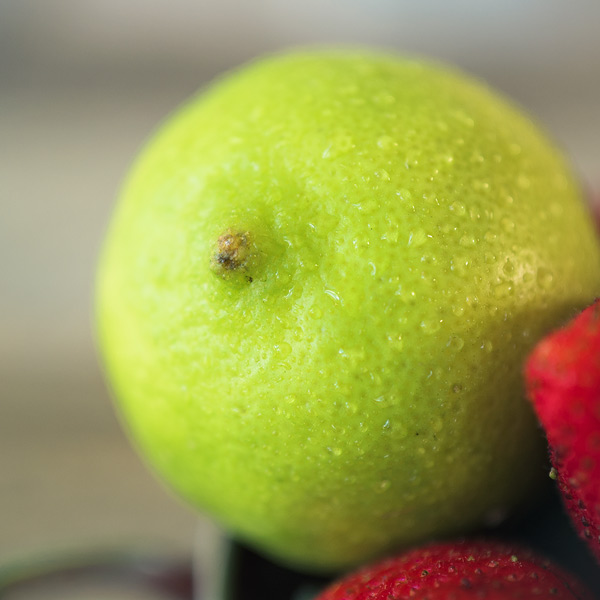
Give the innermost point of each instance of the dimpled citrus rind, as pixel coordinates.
(355, 386)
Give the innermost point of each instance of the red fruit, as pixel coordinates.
(459, 571)
(563, 382)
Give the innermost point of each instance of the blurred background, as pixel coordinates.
(82, 83)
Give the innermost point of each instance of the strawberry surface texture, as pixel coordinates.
(459, 571)
(563, 379)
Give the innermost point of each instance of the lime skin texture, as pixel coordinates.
(316, 295)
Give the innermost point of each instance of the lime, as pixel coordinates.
(317, 292)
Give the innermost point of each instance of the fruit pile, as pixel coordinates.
(315, 303)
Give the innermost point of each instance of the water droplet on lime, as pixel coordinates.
(544, 277)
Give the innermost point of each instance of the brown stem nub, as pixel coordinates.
(232, 252)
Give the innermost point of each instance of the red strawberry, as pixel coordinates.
(563, 382)
(459, 571)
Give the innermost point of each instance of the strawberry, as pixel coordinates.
(459, 571)
(563, 382)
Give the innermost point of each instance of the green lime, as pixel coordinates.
(317, 293)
